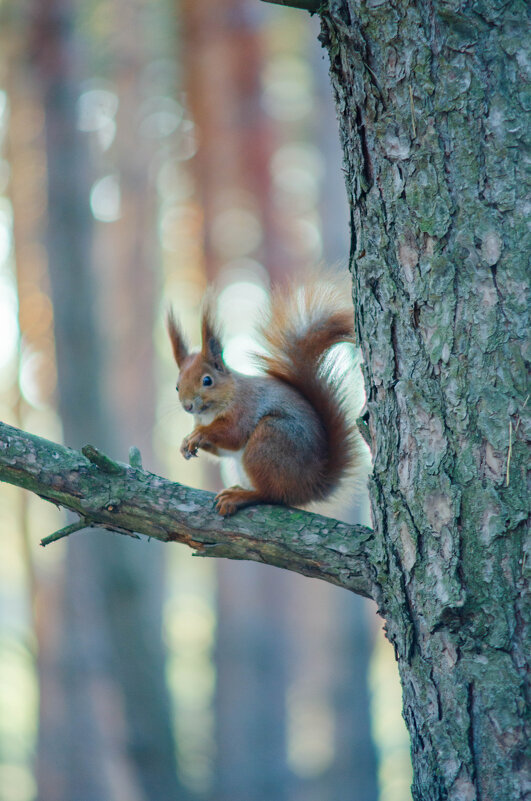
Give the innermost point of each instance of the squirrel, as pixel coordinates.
(289, 426)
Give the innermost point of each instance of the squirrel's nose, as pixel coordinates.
(187, 407)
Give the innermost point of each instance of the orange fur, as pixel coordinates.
(290, 425)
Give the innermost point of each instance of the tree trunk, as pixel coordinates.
(110, 653)
(431, 105)
(126, 252)
(70, 672)
(251, 649)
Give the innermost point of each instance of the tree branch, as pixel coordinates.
(128, 499)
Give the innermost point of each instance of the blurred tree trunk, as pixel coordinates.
(127, 268)
(222, 61)
(354, 772)
(109, 736)
(251, 667)
(431, 103)
(222, 55)
(75, 751)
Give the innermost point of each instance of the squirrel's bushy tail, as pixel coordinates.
(305, 322)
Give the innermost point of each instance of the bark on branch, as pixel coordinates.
(130, 500)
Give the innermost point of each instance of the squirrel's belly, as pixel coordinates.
(236, 470)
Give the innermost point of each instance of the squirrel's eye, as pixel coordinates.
(177, 387)
(207, 381)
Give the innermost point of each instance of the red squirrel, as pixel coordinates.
(289, 426)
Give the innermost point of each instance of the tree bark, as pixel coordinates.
(431, 103)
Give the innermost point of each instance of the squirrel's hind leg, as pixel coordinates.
(231, 499)
(284, 462)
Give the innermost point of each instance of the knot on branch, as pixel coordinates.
(102, 461)
(135, 457)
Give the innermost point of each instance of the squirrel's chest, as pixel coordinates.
(235, 469)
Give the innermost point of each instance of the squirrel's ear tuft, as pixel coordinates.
(178, 342)
(211, 347)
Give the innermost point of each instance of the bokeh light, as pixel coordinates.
(8, 321)
(105, 199)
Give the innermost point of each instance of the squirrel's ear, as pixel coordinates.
(178, 342)
(211, 347)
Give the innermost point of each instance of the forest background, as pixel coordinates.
(148, 149)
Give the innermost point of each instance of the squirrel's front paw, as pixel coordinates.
(190, 445)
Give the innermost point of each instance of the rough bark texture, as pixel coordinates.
(431, 100)
(128, 499)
